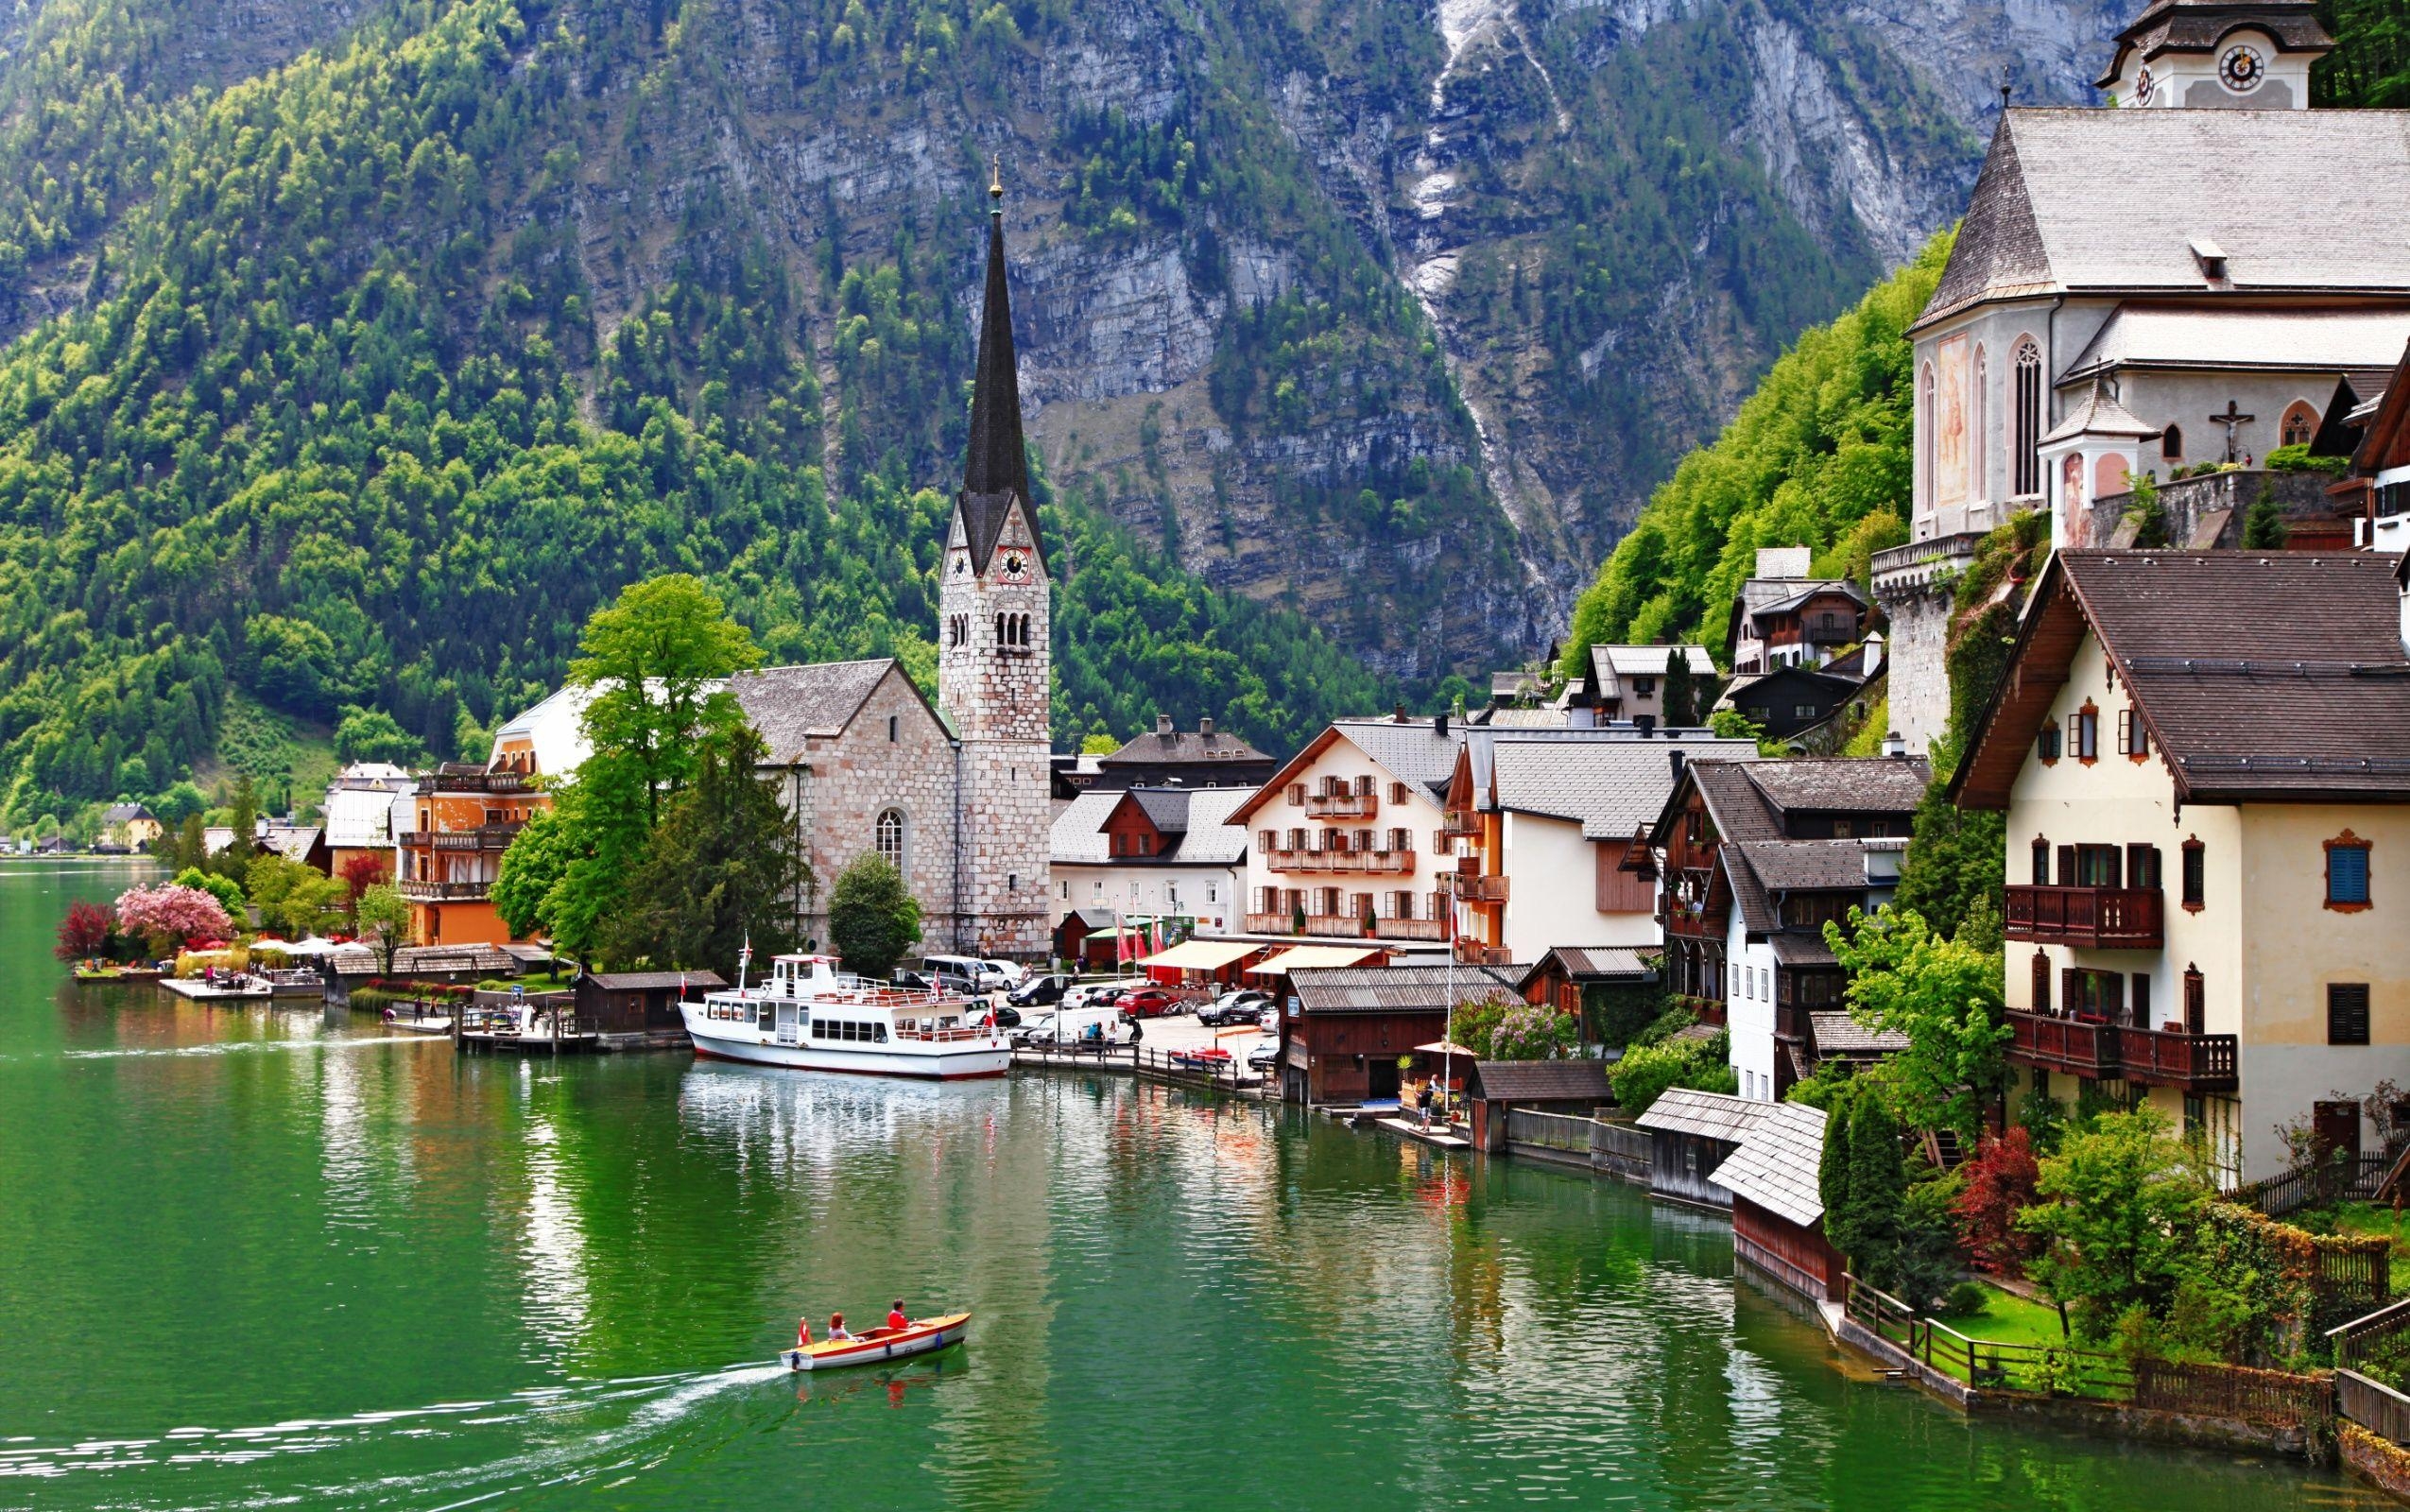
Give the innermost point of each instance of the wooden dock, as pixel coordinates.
(1437, 1135)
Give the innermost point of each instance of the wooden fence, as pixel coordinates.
(2342, 1179)
(1617, 1147)
(2373, 1405)
(2366, 1338)
(1232, 1076)
(2274, 1399)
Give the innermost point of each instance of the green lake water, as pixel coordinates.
(251, 1259)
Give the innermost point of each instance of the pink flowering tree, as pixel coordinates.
(167, 916)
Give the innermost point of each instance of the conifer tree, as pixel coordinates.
(1682, 691)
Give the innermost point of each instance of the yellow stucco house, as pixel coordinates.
(2203, 758)
(130, 825)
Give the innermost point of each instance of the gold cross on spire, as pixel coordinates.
(996, 178)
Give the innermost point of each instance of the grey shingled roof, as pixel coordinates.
(1602, 961)
(1211, 837)
(789, 705)
(411, 959)
(1544, 1081)
(1806, 866)
(1077, 837)
(2034, 225)
(1776, 1166)
(1800, 948)
(1182, 748)
(1648, 660)
(2318, 702)
(1710, 1115)
(123, 813)
(1837, 1034)
(1166, 808)
(1394, 989)
(2154, 335)
(1412, 750)
(655, 981)
(1841, 785)
(2096, 413)
(1610, 786)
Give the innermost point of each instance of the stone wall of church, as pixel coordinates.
(1911, 583)
(1007, 829)
(897, 757)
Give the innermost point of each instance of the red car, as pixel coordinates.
(1145, 1003)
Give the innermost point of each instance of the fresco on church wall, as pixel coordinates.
(2075, 522)
(1949, 448)
(2109, 475)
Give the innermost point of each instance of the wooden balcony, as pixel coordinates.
(1335, 926)
(478, 783)
(1430, 929)
(2117, 919)
(1461, 824)
(444, 892)
(1342, 805)
(483, 837)
(1271, 923)
(1474, 889)
(2162, 1058)
(1474, 953)
(1380, 863)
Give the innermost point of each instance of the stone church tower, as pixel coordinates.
(995, 614)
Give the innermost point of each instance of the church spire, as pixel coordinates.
(996, 471)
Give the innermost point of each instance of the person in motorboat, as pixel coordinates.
(804, 1331)
(838, 1332)
(898, 1320)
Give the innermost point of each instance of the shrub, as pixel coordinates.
(2000, 1183)
(1647, 1071)
(84, 933)
(1531, 1032)
(167, 916)
(2297, 459)
(1965, 1299)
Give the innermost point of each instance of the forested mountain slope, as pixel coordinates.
(1389, 312)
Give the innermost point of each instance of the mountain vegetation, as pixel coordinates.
(333, 427)
(1817, 456)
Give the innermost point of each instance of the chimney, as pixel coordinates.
(1398, 714)
(1439, 726)
(1874, 648)
(1675, 756)
(1205, 726)
(1645, 724)
(1895, 746)
(1163, 725)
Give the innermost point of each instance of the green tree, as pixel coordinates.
(312, 904)
(1681, 690)
(533, 865)
(2263, 526)
(244, 824)
(1647, 1071)
(873, 918)
(722, 870)
(181, 801)
(1866, 1226)
(2120, 1202)
(373, 736)
(225, 889)
(1944, 995)
(382, 918)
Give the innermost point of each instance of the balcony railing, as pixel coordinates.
(1336, 926)
(2164, 1057)
(1386, 863)
(1474, 889)
(1431, 929)
(1474, 953)
(444, 892)
(478, 783)
(2099, 918)
(1461, 824)
(483, 837)
(1342, 805)
(1271, 923)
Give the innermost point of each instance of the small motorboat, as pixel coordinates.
(1214, 1060)
(877, 1346)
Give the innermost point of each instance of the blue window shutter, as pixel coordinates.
(2348, 875)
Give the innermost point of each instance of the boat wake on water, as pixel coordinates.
(554, 1436)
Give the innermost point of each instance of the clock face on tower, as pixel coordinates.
(1016, 567)
(2242, 68)
(961, 565)
(2143, 85)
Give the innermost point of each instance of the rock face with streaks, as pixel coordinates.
(1392, 311)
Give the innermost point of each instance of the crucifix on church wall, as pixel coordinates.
(2234, 419)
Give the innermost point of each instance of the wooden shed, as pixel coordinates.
(1577, 1087)
(1777, 1216)
(638, 1002)
(1691, 1134)
(453, 965)
(1352, 1025)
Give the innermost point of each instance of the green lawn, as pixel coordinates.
(2363, 1218)
(2007, 1318)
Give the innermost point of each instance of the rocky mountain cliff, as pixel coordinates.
(1392, 312)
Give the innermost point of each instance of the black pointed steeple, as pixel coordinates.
(997, 470)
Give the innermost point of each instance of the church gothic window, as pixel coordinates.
(890, 837)
(2170, 445)
(2027, 440)
(2299, 425)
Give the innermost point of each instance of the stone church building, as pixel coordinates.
(954, 793)
(2198, 274)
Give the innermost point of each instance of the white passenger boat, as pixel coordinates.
(811, 1017)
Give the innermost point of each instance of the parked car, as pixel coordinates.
(1006, 1018)
(1147, 1003)
(1234, 1008)
(1098, 994)
(981, 975)
(1036, 1029)
(1271, 1018)
(1049, 987)
(1263, 1053)
(945, 982)
(1007, 973)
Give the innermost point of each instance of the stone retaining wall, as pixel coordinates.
(2378, 1461)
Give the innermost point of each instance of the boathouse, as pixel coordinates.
(453, 965)
(639, 1004)
(1691, 1134)
(1577, 1087)
(1348, 1028)
(1778, 1213)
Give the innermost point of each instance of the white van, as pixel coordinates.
(1074, 1027)
(980, 973)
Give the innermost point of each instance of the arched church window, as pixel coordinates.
(1979, 451)
(890, 837)
(2026, 440)
(2170, 445)
(1926, 440)
(2300, 424)
(1003, 632)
